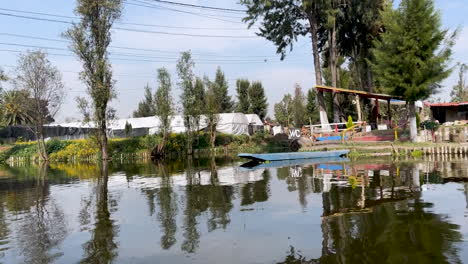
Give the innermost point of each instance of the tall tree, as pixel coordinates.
(146, 107)
(312, 113)
(200, 102)
(283, 21)
(299, 107)
(242, 88)
(163, 108)
(90, 39)
(213, 108)
(284, 111)
(360, 24)
(186, 84)
(221, 88)
(258, 101)
(42, 82)
(459, 92)
(415, 73)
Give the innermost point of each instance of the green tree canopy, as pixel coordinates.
(284, 110)
(459, 92)
(221, 88)
(242, 88)
(299, 107)
(163, 108)
(311, 107)
(146, 107)
(258, 102)
(411, 58)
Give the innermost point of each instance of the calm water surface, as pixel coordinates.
(214, 211)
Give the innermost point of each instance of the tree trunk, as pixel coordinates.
(41, 148)
(318, 69)
(333, 71)
(103, 141)
(212, 135)
(412, 121)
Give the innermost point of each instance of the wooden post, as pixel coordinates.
(389, 113)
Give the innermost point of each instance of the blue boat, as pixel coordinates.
(294, 155)
(322, 163)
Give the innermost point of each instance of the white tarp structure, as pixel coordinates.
(233, 123)
(254, 119)
(227, 176)
(229, 123)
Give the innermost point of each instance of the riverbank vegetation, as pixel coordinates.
(141, 147)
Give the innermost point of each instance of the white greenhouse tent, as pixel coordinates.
(229, 123)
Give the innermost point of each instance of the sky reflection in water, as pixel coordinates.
(214, 211)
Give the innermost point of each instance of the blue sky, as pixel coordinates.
(252, 58)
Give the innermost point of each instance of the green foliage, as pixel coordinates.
(418, 120)
(414, 28)
(163, 101)
(280, 21)
(186, 83)
(90, 39)
(417, 153)
(429, 124)
(350, 123)
(76, 150)
(128, 129)
(299, 107)
(243, 102)
(258, 101)
(284, 110)
(56, 145)
(146, 107)
(312, 107)
(221, 89)
(13, 110)
(459, 92)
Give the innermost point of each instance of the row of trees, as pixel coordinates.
(200, 96)
(251, 97)
(362, 44)
(297, 110)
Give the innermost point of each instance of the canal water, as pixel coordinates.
(215, 211)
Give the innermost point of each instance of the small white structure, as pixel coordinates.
(254, 119)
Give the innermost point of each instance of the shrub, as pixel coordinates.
(55, 145)
(78, 149)
(350, 123)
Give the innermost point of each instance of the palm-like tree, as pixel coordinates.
(13, 111)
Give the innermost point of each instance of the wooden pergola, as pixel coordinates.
(363, 94)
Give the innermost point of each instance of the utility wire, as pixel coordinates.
(134, 30)
(121, 23)
(155, 61)
(201, 6)
(142, 49)
(131, 54)
(149, 5)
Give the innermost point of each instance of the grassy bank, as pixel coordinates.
(137, 147)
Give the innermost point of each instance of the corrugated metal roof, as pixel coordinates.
(451, 104)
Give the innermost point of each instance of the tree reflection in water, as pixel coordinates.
(167, 202)
(102, 248)
(43, 227)
(398, 226)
